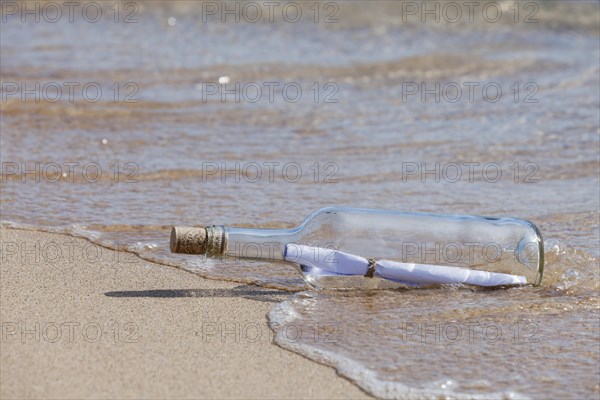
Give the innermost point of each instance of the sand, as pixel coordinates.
(82, 321)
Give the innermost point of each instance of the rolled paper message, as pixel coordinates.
(438, 274)
(340, 263)
(327, 259)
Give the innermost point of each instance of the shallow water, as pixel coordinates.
(354, 145)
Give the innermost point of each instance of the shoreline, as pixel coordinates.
(92, 322)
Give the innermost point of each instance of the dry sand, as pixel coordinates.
(122, 327)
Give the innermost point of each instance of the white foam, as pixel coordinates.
(284, 313)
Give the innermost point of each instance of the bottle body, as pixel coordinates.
(382, 238)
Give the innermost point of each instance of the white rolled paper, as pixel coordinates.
(337, 262)
(326, 259)
(437, 274)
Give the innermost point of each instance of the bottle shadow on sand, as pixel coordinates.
(246, 291)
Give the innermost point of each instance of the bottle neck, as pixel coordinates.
(265, 244)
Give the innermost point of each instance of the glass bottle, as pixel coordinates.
(345, 248)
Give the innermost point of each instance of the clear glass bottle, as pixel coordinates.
(345, 248)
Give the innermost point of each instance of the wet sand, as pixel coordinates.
(82, 321)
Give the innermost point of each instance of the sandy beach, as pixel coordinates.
(121, 119)
(82, 321)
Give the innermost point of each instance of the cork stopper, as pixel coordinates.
(211, 240)
(187, 240)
